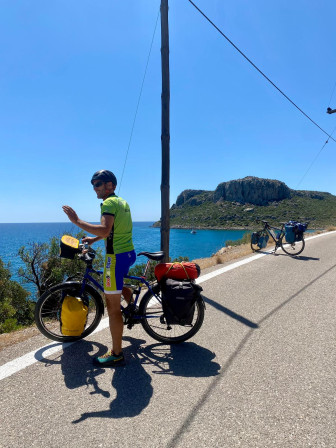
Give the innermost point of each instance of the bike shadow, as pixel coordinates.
(298, 257)
(230, 313)
(133, 384)
(181, 360)
(281, 254)
(76, 364)
(303, 258)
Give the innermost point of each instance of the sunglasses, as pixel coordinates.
(97, 184)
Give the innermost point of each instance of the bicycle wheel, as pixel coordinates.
(293, 248)
(48, 310)
(154, 323)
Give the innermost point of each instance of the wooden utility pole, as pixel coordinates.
(165, 130)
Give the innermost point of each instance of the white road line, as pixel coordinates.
(213, 274)
(12, 367)
(41, 353)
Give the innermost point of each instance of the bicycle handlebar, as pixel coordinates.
(261, 220)
(87, 254)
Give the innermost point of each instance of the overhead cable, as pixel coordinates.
(263, 74)
(137, 107)
(315, 159)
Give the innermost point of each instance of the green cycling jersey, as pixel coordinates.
(120, 238)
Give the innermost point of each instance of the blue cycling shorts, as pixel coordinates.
(116, 266)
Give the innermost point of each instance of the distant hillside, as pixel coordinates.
(238, 203)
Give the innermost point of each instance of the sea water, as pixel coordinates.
(183, 243)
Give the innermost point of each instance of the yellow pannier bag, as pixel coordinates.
(73, 316)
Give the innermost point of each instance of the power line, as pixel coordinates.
(263, 74)
(137, 107)
(312, 163)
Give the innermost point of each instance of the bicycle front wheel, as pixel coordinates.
(293, 248)
(154, 322)
(48, 310)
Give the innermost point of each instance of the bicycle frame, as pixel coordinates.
(270, 230)
(87, 278)
(147, 294)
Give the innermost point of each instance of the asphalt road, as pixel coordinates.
(260, 373)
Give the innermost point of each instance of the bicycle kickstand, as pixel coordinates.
(276, 247)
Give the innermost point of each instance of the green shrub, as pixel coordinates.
(244, 240)
(15, 308)
(44, 267)
(9, 325)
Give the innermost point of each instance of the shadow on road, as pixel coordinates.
(303, 258)
(76, 365)
(132, 383)
(296, 257)
(230, 313)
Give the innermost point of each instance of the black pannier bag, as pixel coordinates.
(300, 228)
(178, 300)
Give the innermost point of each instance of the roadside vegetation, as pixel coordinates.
(42, 268)
(244, 240)
(16, 310)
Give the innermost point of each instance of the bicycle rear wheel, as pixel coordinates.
(293, 248)
(154, 323)
(48, 310)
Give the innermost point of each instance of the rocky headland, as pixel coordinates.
(237, 204)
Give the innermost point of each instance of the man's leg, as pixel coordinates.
(116, 321)
(115, 268)
(127, 294)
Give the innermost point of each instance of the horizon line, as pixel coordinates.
(60, 222)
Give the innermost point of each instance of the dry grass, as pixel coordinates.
(14, 337)
(224, 255)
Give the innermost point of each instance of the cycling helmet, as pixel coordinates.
(105, 176)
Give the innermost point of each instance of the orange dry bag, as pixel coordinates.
(177, 271)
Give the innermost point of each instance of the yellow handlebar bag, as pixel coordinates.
(69, 247)
(74, 315)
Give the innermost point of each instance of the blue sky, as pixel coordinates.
(70, 79)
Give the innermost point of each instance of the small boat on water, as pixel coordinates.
(193, 231)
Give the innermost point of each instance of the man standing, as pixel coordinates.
(116, 228)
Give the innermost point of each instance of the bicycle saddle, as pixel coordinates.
(153, 255)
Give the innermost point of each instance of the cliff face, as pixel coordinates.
(252, 190)
(194, 197)
(186, 195)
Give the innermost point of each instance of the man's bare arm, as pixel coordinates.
(101, 230)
